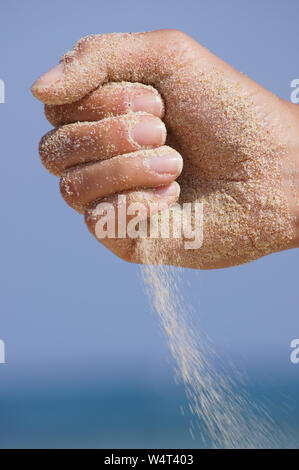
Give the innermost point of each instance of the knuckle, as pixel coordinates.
(46, 152)
(71, 195)
(54, 114)
(82, 46)
(179, 45)
(176, 35)
(43, 148)
(86, 42)
(67, 188)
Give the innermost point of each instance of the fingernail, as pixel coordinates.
(149, 132)
(148, 102)
(50, 77)
(172, 190)
(170, 164)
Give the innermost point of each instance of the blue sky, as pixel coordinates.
(72, 313)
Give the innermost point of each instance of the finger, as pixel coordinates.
(111, 57)
(84, 142)
(143, 169)
(111, 99)
(109, 220)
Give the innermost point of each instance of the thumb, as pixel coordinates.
(135, 57)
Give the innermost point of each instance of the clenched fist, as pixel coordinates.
(158, 118)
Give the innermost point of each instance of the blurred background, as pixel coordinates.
(86, 362)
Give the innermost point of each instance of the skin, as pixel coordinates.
(122, 131)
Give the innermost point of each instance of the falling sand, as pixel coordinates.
(222, 413)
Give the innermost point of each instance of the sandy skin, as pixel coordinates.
(228, 142)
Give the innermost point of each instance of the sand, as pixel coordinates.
(221, 413)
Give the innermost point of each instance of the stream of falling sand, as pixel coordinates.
(223, 417)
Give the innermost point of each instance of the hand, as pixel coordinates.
(239, 144)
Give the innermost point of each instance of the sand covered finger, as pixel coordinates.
(111, 99)
(117, 220)
(143, 169)
(78, 143)
(98, 59)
